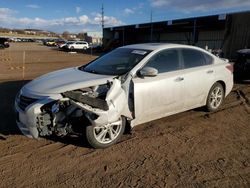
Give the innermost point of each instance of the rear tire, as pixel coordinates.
(106, 135)
(215, 97)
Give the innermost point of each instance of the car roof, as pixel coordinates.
(159, 46)
(244, 51)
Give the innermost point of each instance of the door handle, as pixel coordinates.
(179, 79)
(210, 71)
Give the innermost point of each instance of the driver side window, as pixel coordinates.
(165, 61)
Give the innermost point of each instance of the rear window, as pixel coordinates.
(209, 59)
(195, 58)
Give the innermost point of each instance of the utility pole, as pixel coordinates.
(102, 21)
(194, 32)
(151, 27)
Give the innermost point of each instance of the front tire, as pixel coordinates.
(215, 97)
(105, 135)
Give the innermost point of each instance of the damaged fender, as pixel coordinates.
(116, 106)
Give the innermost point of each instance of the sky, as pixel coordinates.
(85, 16)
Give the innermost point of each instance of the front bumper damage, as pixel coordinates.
(27, 119)
(116, 101)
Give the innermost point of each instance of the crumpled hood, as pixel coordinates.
(65, 80)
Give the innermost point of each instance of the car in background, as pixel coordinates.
(131, 85)
(4, 43)
(55, 42)
(77, 45)
(63, 45)
(95, 48)
(16, 40)
(242, 65)
(51, 42)
(45, 41)
(60, 42)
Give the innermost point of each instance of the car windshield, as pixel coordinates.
(117, 62)
(70, 42)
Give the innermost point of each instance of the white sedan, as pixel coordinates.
(129, 86)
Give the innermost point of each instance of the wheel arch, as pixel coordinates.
(220, 82)
(208, 104)
(128, 127)
(223, 85)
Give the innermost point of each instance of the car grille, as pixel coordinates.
(25, 101)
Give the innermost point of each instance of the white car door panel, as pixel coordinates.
(199, 77)
(198, 82)
(156, 97)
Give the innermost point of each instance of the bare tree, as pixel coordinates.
(66, 35)
(81, 36)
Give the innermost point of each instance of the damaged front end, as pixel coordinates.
(96, 105)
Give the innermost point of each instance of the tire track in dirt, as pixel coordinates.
(192, 114)
(212, 165)
(145, 167)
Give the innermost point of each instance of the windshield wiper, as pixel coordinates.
(91, 71)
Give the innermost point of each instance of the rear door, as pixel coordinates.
(199, 76)
(159, 96)
(79, 45)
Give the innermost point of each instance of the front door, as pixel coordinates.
(159, 96)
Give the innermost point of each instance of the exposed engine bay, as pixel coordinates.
(96, 105)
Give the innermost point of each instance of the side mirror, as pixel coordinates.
(148, 72)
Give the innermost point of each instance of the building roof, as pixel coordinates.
(181, 21)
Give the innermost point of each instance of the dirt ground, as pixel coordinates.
(191, 149)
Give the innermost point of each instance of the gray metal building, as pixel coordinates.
(228, 32)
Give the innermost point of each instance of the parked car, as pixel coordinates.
(64, 46)
(16, 40)
(4, 43)
(130, 85)
(60, 42)
(27, 40)
(51, 42)
(45, 41)
(96, 48)
(242, 65)
(78, 45)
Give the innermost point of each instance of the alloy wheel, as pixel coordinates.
(216, 97)
(107, 133)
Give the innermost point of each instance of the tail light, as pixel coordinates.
(230, 67)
